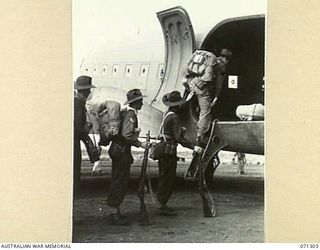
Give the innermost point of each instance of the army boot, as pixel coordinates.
(117, 219)
(200, 145)
(165, 210)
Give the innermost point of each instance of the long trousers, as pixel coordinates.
(167, 176)
(205, 117)
(204, 100)
(119, 179)
(241, 165)
(76, 164)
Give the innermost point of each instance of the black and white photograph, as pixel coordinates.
(151, 124)
(168, 121)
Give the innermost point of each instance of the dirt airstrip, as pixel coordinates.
(239, 201)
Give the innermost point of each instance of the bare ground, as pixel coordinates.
(239, 201)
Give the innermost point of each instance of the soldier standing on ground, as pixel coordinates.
(171, 133)
(120, 154)
(241, 162)
(83, 86)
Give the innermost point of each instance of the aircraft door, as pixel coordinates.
(179, 44)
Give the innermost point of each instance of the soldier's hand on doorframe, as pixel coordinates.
(214, 102)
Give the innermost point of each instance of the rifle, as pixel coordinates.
(143, 208)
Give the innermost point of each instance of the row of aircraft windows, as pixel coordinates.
(143, 73)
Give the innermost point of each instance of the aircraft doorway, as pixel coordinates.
(245, 37)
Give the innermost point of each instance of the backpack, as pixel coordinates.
(109, 121)
(199, 64)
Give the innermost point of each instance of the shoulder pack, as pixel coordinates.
(200, 61)
(109, 120)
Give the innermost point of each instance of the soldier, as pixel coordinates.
(120, 154)
(204, 77)
(241, 162)
(83, 86)
(172, 133)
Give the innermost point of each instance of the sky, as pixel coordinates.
(104, 22)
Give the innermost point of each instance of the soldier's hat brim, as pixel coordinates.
(134, 99)
(83, 82)
(173, 99)
(84, 87)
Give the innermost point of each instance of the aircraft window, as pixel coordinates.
(88, 67)
(160, 71)
(128, 70)
(144, 70)
(115, 71)
(104, 69)
(95, 69)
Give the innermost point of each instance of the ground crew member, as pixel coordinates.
(172, 133)
(120, 154)
(241, 162)
(83, 86)
(204, 77)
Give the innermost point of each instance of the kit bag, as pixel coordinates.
(92, 150)
(157, 150)
(160, 149)
(253, 112)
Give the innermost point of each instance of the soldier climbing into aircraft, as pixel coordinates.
(204, 76)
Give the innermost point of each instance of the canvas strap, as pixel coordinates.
(162, 123)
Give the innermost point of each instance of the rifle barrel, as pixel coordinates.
(143, 208)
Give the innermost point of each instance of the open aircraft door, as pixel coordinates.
(179, 44)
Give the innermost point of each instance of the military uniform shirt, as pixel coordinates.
(80, 123)
(129, 126)
(171, 127)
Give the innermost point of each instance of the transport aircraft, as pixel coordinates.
(155, 66)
